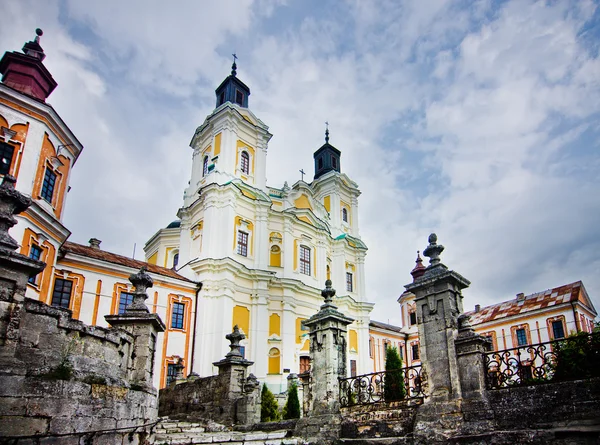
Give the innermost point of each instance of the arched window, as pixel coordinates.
(205, 166)
(175, 260)
(344, 214)
(245, 162)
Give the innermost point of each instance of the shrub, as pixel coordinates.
(269, 411)
(578, 356)
(292, 405)
(393, 388)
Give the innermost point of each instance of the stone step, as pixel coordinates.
(229, 437)
(376, 441)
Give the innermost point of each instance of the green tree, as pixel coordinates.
(269, 411)
(393, 388)
(292, 405)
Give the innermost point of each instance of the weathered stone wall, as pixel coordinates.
(395, 419)
(201, 398)
(59, 376)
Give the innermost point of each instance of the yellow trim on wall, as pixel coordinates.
(299, 331)
(274, 361)
(275, 325)
(217, 145)
(241, 317)
(353, 340)
(305, 219)
(153, 258)
(169, 249)
(295, 254)
(327, 203)
(302, 202)
(275, 256)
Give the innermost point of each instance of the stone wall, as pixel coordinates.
(228, 398)
(59, 376)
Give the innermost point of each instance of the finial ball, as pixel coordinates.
(39, 32)
(327, 283)
(432, 238)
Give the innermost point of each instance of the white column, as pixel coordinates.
(261, 240)
(288, 336)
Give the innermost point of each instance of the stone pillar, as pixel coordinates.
(15, 270)
(439, 304)
(144, 327)
(328, 348)
(239, 389)
(470, 348)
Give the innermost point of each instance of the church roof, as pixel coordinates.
(103, 255)
(388, 327)
(522, 304)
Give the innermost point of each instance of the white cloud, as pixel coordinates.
(469, 122)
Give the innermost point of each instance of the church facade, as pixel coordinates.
(263, 253)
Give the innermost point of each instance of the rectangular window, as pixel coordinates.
(521, 337)
(558, 329)
(371, 347)
(48, 185)
(401, 350)
(35, 253)
(415, 352)
(304, 260)
(348, 281)
(243, 351)
(171, 373)
(177, 315)
(6, 155)
(304, 364)
(125, 299)
(413, 318)
(61, 295)
(242, 247)
(222, 98)
(334, 162)
(239, 97)
(352, 368)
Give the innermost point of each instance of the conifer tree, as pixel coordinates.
(394, 388)
(269, 411)
(292, 405)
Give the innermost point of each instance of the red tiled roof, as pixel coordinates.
(552, 297)
(109, 257)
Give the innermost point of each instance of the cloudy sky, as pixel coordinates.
(479, 120)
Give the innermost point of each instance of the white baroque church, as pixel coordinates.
(263, 253)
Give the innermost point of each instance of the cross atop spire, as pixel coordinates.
(326, 132)
(234, 65)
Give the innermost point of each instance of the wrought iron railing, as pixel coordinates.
(371, 388)
(564, 359)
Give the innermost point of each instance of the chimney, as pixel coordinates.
(520, 296)
(94, 243)
(477, 307)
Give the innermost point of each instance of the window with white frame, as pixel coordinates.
(205, 166)
(245, 163)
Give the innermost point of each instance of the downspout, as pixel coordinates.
(198, 289)
(577, 327)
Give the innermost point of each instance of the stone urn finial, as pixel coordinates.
(12, 202)
(433, 250)
(328, 293)
(235, 338)
(142, 281)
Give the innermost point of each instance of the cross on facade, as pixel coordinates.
(302, 173)
(234, 57)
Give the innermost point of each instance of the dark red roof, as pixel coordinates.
(103, 255)
(540, 300)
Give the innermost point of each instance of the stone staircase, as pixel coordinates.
(176, 432)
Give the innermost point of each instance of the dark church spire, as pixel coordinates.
(327, 158)
(233, 89)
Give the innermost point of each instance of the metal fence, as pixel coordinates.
(371, 388)
(566, 359)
